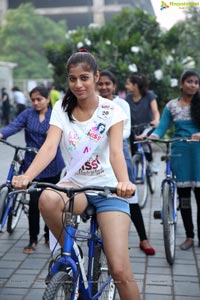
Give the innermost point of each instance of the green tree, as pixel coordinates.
(134, 37)
(23, 38)
(131, 37)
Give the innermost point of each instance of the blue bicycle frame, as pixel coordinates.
(140, 151)
(70, 261)
(7, 201)
(171, 182)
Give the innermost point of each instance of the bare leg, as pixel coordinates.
(51, 205)
(114, 227)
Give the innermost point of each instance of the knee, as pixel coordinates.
(121, 273)
(46, 202)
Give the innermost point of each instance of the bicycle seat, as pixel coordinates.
(89, 212)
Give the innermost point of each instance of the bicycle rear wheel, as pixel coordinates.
(151, 180)
(60, 287)
(169, 224)
(3, 199)
(100, 276)
(15, 213)
(140, 180)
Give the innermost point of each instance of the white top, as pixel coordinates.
(126, 108)
(19, 97)
(97, 170)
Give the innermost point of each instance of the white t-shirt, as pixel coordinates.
(97, 170)
(126, 108)
(19, 97)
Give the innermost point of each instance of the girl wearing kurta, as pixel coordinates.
(184, 113)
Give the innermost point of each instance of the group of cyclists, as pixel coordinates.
(97, 156)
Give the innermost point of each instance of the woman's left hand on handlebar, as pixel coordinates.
(20, 182)
(125, 189)
(196, 136)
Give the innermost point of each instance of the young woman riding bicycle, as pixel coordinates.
(92, 157)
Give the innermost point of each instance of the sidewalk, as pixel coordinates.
(22, 275)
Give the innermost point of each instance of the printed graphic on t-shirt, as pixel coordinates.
(73, 139)
(91, 167)
(95, 132)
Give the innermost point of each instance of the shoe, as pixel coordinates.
(147, 251)
(187, 244)
(30, 248)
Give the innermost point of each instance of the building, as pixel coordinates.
(79, 12)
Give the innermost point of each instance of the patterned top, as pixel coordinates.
(185, 158)
(35, 135)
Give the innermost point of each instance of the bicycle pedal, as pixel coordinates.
(138, 181)
(157, 214)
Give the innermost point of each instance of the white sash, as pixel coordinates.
(90, 139)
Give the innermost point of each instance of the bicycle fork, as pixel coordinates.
(173, 199)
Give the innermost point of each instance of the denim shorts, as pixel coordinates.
(103, 204)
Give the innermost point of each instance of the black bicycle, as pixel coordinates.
(11, 207)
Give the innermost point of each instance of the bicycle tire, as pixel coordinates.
(169, 226)
(15, 213)
(151, 180)
(100, 275)
(3, 199)
(142, 184)
(60, 287)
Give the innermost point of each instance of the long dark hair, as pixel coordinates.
(195, 109)
(141, 81)
(89, 64)
(42, 90)
(195, 102)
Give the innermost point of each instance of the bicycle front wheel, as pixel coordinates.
(100, 276)
(169, 224)
(15, 213)
(60, 287)
(140, 180)
(3, 200)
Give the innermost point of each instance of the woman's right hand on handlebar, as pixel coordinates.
(21, 181)
(126, 189)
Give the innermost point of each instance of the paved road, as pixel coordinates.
(22, 276)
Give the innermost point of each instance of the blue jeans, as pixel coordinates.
(128, 159)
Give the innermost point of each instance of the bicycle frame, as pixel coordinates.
(140, 151)
(71, 257)
(7, 184)
(168, 212)
(70, 261)
(171, 182)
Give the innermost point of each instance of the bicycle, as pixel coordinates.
(144, 176)
(168, 211)
(11, 207)
(67, 276)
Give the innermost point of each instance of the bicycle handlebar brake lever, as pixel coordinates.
(107, 190)
(32, 188)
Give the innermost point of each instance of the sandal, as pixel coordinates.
(30, 248)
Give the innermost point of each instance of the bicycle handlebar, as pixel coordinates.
(29, 149)
(166, 141)
(69, 191)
